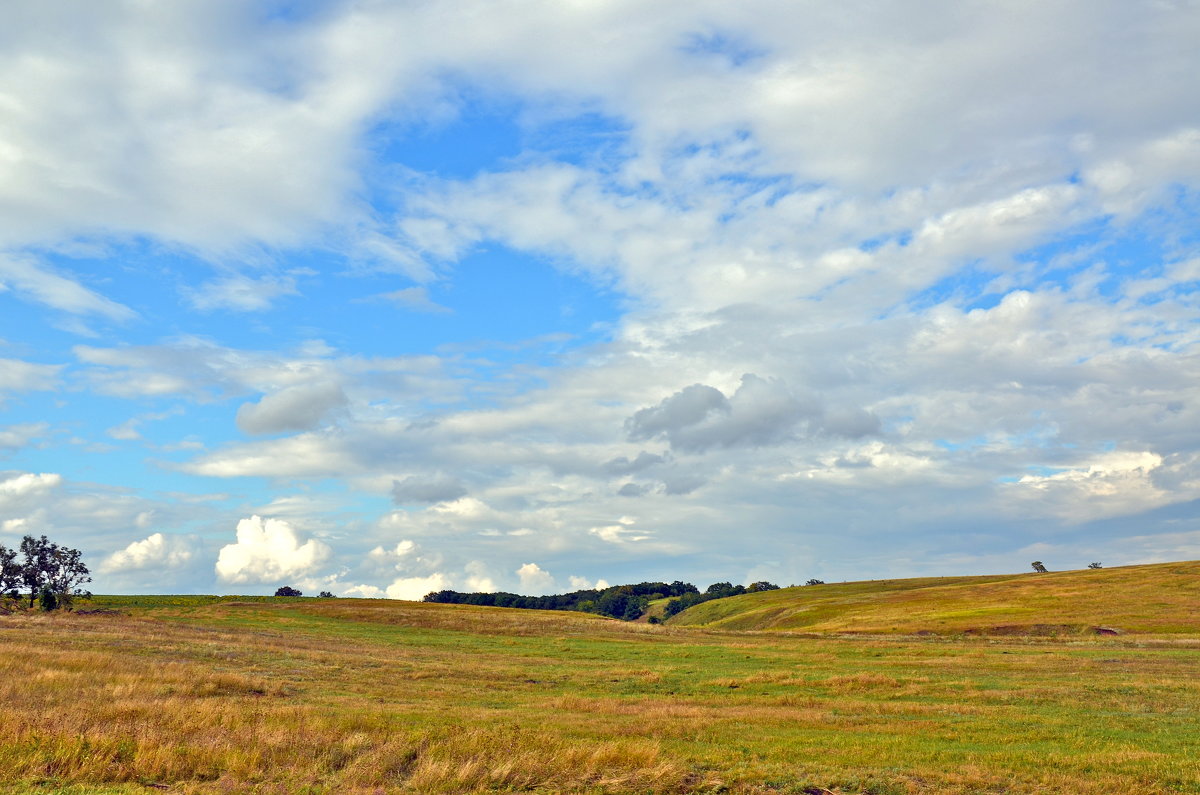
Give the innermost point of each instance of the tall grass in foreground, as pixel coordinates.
(355, 696)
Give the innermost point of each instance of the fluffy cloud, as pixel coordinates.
(871, 271)
(156, 551)
(761, 412)
(19, 487)
(413, 589)
(534, 579)
(268, 550)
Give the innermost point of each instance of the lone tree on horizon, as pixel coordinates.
(1038, 567)
(44, 567)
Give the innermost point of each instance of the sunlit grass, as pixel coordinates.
(1158, 598)
(209, 695)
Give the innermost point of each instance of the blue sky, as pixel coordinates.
(383, 298)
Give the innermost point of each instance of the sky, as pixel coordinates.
(382, 298)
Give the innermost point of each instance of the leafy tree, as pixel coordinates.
(66, 575)
(763, 585)
(288, 590)
(815, 582)
(1038, 567)
(1095, 565)
(46, 565)
(46, 599)
(10, 572)
(325, 595)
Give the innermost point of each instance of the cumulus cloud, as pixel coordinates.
(413, 589)
(478, 578)
(17, 487)
(268, 550)
(535, 580)
(156, 551)
(584, 584)
(851, 208)
(1113, 484)
(296, 408)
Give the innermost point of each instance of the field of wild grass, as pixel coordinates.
(1159, 598)
(207, 695)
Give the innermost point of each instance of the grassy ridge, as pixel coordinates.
(1160, 598)
(209, 695)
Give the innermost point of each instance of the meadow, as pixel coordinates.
(264, 695)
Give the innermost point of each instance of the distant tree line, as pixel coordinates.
(626, 602)
(718, 590)
(51, 574)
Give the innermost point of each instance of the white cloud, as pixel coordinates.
(295, 408)
(157, 551)
(241, 293)
(413, 589)
(16, 437)
(268, 550)
(535, 580)
(584, 584)
(1112, 484)
(478, 579)
(21, 376)
(19, 486)
(415, 299)
(40, 284)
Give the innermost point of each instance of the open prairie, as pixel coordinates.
(228, 695)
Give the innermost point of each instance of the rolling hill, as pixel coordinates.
(1162, 598)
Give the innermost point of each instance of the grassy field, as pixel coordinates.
(1159, 598)
(208, 695)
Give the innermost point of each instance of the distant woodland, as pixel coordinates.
(626, 602)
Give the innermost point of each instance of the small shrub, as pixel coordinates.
(815, 582)
(47, 600)
(288, 590)
(1095, 565)
(325, 595)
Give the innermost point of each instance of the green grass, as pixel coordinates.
(1159, 598)
(219, 695)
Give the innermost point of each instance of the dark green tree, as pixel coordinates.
(66, 574)
(35, 564)
(10, 573)
(288, 590)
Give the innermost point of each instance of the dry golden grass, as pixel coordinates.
(1157, 598)
(357, 696)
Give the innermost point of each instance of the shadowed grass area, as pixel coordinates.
(1157, 598)
(204, 695)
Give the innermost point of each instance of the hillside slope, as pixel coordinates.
(1161, 598)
